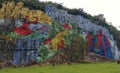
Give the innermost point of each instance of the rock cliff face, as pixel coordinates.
(61, 16)
(52, 34)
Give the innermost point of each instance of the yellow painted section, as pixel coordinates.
(13, 11)
(58, 37)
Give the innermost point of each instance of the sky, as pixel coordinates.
(110, 8)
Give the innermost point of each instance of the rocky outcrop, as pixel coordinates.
(61, 16)
(92, 57)
(114, 49)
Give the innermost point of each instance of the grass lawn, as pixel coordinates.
(74, 68)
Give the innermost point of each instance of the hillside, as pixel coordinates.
(35, 4)
(48, 32)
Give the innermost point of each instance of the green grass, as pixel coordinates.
(74, 68)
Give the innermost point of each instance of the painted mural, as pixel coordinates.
(34, 35)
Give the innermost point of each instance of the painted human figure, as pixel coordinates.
(107, 43)
(100, 41)
(89, 37)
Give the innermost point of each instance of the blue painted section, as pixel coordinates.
(103, 51)
(26, 49)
